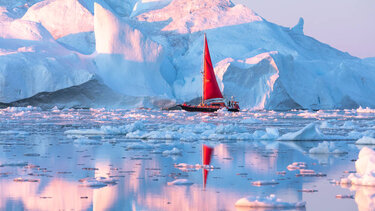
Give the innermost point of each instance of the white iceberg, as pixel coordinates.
(309, 132)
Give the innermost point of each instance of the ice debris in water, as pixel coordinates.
(97, 182)
(173, 151)
(87, 141)
(267, 202)
(14, 164)
(264, 182)
(180, 182)
(365, 140)
(365, 110)
(189, 132)
(309, 132)
(365, 167)
(20, 179)
(109, 130)
(326, 148)
(186, 167)
(296, 165)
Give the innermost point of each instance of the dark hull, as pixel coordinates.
(233, 109)
(199, 108)
(205, 108)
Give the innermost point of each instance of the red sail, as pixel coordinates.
(210, 87)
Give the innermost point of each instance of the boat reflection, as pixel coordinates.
(143, 177)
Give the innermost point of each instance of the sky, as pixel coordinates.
(348, 25)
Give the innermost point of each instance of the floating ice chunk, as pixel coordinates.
(365, 140)
(97, 182)
(339, 196)
(267, 202)
(250, 121)
(357, 134)
(14, 132)
(365, 110)
(365, 166)
(229, 129)
(20, 179)
(185, 166)
(309, 173)
(326, 148)
(296, 165)
(84, 132)
(264, 182)
(87, 141)
(109, 130)
(138, 146)
(348, 125)
(180, 182)
(92, 183)
(55, 109)
(308, 190)
(173, 151)
(309, 132)
(326, 124)
(14, 164)
(271, 133)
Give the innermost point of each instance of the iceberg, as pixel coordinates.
(148, 54)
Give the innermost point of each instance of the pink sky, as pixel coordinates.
(348, 25)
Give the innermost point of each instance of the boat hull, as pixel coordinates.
(199, 108)
(233, 109)
(205, 108)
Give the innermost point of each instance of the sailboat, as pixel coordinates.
(212, 98)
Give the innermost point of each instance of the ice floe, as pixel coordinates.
(267, 202)
(97, 182)
(189, 132)
(296, 165)
(14, 164)
(173, 151)
(365, 140)
(309, 132)
(365, 167)
(180, 182)
(264, 182)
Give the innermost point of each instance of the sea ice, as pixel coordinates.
(309, 132)
(365, 140)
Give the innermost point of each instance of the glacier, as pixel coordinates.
(148, 53)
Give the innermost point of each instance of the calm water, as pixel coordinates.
(34, 147)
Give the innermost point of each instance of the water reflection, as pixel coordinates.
(364, 196)
(143, 175)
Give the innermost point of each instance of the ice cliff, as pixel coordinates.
(147, 53)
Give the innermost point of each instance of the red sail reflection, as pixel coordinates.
(206, 155)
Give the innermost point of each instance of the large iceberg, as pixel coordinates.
(150, 51)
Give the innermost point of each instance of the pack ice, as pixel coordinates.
(148, 53)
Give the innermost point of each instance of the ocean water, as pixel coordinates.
(100, 159)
